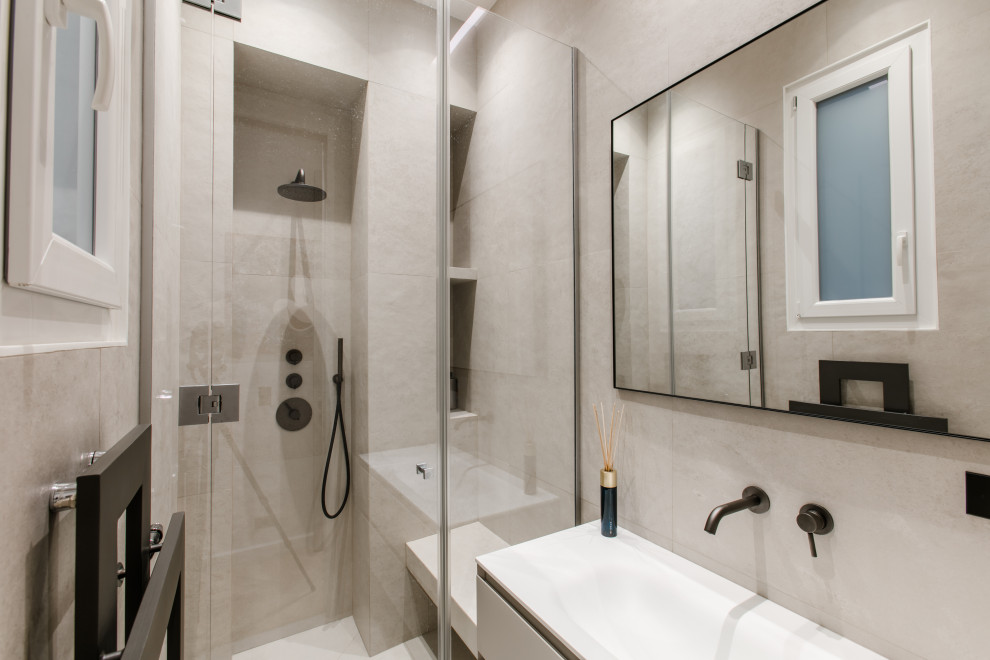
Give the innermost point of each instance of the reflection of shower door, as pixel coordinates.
(713, 232)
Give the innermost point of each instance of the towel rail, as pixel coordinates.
(119, 483)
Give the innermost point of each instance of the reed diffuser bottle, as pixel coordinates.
(609, 480)
(610, 503)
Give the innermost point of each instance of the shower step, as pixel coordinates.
(466, 543)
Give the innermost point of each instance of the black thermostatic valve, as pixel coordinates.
(978, 494)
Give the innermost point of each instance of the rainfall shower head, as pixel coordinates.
(301, 191)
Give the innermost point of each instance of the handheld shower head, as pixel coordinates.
(300, 191)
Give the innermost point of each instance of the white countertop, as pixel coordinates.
(625, 597)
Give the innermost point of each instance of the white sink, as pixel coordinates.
(628, 598)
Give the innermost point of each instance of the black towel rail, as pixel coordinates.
(120, 483)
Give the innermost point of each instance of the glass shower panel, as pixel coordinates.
(289, 299)
(196, 469)
(710, 319)
(511, 434)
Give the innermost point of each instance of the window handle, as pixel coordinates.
(98, 11)
(901, 248)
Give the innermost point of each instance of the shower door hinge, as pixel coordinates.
(744, 170)
(747, 360)
(228, 8)
(199, 404)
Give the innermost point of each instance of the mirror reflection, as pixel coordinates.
(775, 241)
(685, 276)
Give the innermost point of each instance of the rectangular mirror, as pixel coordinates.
(775, 242)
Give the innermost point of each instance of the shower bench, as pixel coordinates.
(466, 543)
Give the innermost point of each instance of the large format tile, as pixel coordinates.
(332, 34)
(402, 46)
(401, 360)
(400, 209)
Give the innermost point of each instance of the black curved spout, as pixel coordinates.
(754, 499)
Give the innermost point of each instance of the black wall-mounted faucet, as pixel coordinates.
(753, 498)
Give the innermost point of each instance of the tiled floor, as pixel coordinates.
(334, 641)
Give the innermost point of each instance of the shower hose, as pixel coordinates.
(338, 416)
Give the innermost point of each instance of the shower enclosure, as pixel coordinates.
(322, 206)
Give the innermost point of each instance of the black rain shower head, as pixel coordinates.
(301, 191)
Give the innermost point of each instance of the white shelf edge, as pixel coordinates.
(462, 414)
(461, 275)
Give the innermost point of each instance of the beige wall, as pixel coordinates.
(55, 406)
(904, 572)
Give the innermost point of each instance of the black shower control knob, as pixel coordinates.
(293, 380)
(294, 356)
(810, 521)
(293, 414)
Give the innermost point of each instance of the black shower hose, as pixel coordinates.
(338, 415)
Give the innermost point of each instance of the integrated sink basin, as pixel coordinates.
(593, 597)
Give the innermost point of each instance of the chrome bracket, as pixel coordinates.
(744, 170)
(747, 360)
(62, 496)
(209, 404)
(199, 404)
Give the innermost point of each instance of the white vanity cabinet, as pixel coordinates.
(503, 634)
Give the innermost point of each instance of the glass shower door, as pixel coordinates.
(308, 262)
(511, 433)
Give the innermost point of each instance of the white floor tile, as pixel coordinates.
(339, 640)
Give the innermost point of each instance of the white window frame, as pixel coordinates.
(906, 61)
(56, 295)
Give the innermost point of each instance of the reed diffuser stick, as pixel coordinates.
(611, 435)
(609, 444)
(601, 438)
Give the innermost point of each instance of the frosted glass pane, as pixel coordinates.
(75, 132)
(854, 235)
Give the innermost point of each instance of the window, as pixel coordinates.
(74, 144)
(859, 215)
(68, 176)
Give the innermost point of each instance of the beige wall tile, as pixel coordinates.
(400, 179)
(402, 46)
(333, 35)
